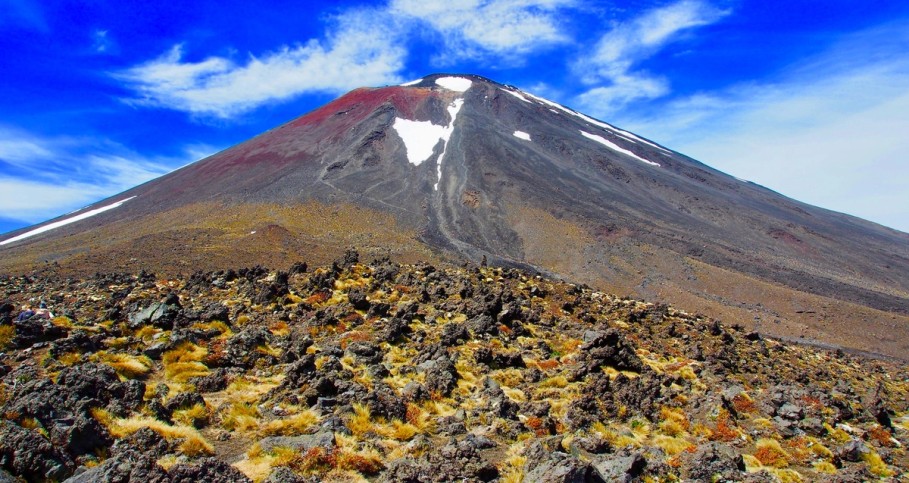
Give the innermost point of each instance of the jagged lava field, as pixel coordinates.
(387, 372)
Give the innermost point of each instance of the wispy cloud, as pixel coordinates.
(360, 50)
(482, 28)
(102, 43)
(17, 147)
(611, 67)
(55, 175)
(813, 133)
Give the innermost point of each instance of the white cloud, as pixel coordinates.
(16, 148)
(610, 67)
(480, 28)
(830, 132)
(54, 177)
(361, 51)
(37, 200)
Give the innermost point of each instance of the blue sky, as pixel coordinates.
(810, 98)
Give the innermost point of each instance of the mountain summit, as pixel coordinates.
(459, 167)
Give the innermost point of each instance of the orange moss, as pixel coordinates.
(743, 403)
(799, 450)
(882, 436)
(355, 336)
(724, 431)
(318, 297)
(279, 328)
(413, 414)
(813, 402)
(772, 456)
(537, 425)
(361, 464)
(216, 353)
(314, 460)
(319, 461)
(352, 317)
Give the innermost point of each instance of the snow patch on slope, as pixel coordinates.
(522, 135)
(458, 84)
(453, 110)
(518, 95)
(67, 221)
(420, 138)
(412, 83)
(625, 134)
(615, 147)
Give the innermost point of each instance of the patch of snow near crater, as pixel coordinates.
(412, 83)
(458, 84)
(67, 221)
(522, 135)
(615, 147)
(420, 138)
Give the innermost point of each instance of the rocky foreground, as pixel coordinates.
(386, 372)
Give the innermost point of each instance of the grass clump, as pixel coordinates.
(127, 366)
(876, 465)
(184, 362)
(291, 425)
(192, 443)
(69, 358)
(672, 445)
(195, 416)
(674, 421)
(361, 421)
(7, 332)
(770, 453)
(240, 416)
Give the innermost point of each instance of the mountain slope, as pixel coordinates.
(455, 167)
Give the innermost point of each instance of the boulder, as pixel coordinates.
(34, 330)
(158, 314)
(623, 466)
(26, 453)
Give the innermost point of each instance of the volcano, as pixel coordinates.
(455, 168)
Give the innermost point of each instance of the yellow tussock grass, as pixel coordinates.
(192, 442)
(674, 421)
(184, 362)
(69, 358)
(361, 421)
(126, 365)
(192, 416)
(672, 445)
(397, 430)
(876, 465)
(787, 475)
(240, 416)
(291, 425)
